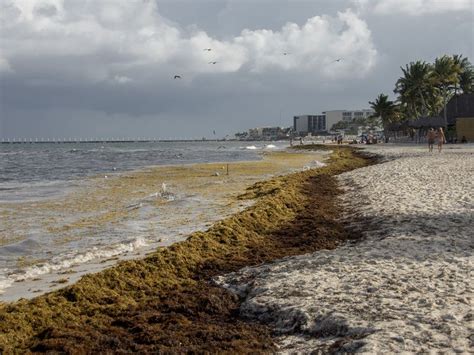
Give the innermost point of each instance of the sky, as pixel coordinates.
(105, 68)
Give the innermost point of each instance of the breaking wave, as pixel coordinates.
(66, 261)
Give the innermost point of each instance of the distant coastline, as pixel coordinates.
(131, 141)
(114, 141)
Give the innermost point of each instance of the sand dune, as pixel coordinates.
(407, 286)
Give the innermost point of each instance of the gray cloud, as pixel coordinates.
(413, 7)
(91, 68)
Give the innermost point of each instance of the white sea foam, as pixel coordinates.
(270, 146)
(163, 211)
(318, 164)
(5, 281)
(164, 194)
(251, 147)
(406, 287)
(314, 164)
(66, 261)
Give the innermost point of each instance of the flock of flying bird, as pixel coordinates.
(215, 62)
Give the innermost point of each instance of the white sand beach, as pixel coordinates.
(405, 287)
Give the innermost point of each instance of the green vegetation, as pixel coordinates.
(386, 110)
(340, 125)
(352, 127)
(165, 302)
(425, 88)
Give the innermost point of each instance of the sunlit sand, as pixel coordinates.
(406, 287)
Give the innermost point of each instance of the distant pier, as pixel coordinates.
(102, 141)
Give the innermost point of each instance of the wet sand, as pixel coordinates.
(167, 302)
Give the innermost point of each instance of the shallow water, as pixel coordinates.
(56, 227)
(31, 171)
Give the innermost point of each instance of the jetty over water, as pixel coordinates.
(100, 140)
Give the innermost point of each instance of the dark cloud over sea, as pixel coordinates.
(73, 68)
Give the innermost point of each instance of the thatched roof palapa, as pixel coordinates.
(459, 106)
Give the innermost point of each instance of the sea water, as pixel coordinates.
(31, 174)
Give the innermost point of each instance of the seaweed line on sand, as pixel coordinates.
(166, 302)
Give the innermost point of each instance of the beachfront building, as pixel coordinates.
(304, 124)
(460, 121)
(272, 132)
(268, 133)
(335, 116)
(460, 114)
(255, 133)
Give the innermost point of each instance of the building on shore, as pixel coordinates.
(460, 114)
(304, 124)
(264, 133)
(335, 116)
(460, 122)
(322, 123)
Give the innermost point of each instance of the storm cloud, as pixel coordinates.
(105, 68)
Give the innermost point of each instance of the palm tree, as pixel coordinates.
(466, 75)
(386, 110)
(372, 121)
(445, 76)
(466, 81)
(414, 88)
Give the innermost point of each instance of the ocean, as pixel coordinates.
(72, 208)
(30, 171)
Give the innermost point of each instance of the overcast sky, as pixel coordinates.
(105, 68)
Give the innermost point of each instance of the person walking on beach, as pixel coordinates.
(431, 139)
(441, 138)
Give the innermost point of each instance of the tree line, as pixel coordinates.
(424, 89)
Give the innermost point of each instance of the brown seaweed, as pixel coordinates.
(166, 302)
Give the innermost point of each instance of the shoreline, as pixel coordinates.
(77, 180)
(182, 271)
(132, 204)
(405, 286)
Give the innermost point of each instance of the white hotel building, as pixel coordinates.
(323, 122)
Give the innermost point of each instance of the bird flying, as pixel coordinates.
(337, 60)
(212, 63)
(286, 53)
(207, 49)
(177, 77)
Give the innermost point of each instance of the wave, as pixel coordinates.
(318, 164)
(314, 164)
(68, 260)
(5, 282)
(15, 152)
